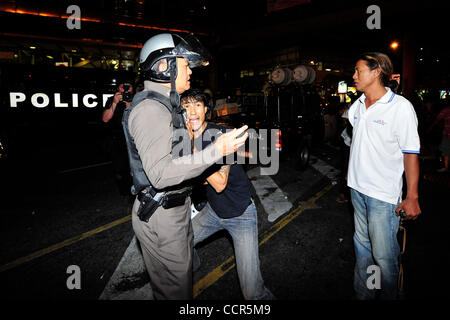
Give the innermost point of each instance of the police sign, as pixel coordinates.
(42, 100)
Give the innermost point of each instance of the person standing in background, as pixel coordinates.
(112, 117)
(385, 144)
(444, 147)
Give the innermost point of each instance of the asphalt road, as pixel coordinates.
(62, 219)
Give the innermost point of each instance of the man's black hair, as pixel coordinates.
(198, 95)
(380, 60)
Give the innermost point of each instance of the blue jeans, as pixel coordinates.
(244, 231)
(375, 241)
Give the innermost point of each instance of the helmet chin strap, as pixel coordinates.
(174, 96)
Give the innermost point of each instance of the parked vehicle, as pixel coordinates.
(294, 109)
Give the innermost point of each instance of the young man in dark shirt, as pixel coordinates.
(229, 205)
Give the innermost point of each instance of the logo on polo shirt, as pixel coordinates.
(380, 122)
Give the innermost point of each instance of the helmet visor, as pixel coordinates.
(191, 49)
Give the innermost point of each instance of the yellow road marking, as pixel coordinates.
(200, 285)
(229, 264)
(64, 243)
(213, 276)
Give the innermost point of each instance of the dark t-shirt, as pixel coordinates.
(236, 196)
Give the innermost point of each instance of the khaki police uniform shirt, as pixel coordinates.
(150, 125)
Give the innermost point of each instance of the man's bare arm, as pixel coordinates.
(109, 113)
(411, 204)
(219, 179)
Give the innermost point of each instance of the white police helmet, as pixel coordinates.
(170, 46)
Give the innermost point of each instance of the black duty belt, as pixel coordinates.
(150, 201)
(171, 200)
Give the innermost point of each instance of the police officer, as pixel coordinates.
(161, 211)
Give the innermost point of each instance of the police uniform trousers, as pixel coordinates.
(167, 242)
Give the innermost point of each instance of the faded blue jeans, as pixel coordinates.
(244, 231)
(375, 241)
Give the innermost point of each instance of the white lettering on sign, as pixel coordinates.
(15, 97)
(105, 97)
(36, 103)
(86, 100)
(75, 100)
(42, 100)
(58, 101)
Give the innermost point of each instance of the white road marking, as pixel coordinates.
(324, 168)
(273, 199)
(130, 268)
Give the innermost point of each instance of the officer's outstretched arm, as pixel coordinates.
(149, 127)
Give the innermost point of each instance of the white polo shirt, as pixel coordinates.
(381, 134)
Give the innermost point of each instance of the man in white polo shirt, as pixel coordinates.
(385, 144)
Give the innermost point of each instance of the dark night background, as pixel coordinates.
(247, 40)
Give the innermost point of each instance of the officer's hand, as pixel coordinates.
(117, 98)
(229, 142)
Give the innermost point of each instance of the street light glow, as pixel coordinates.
(394, 45)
